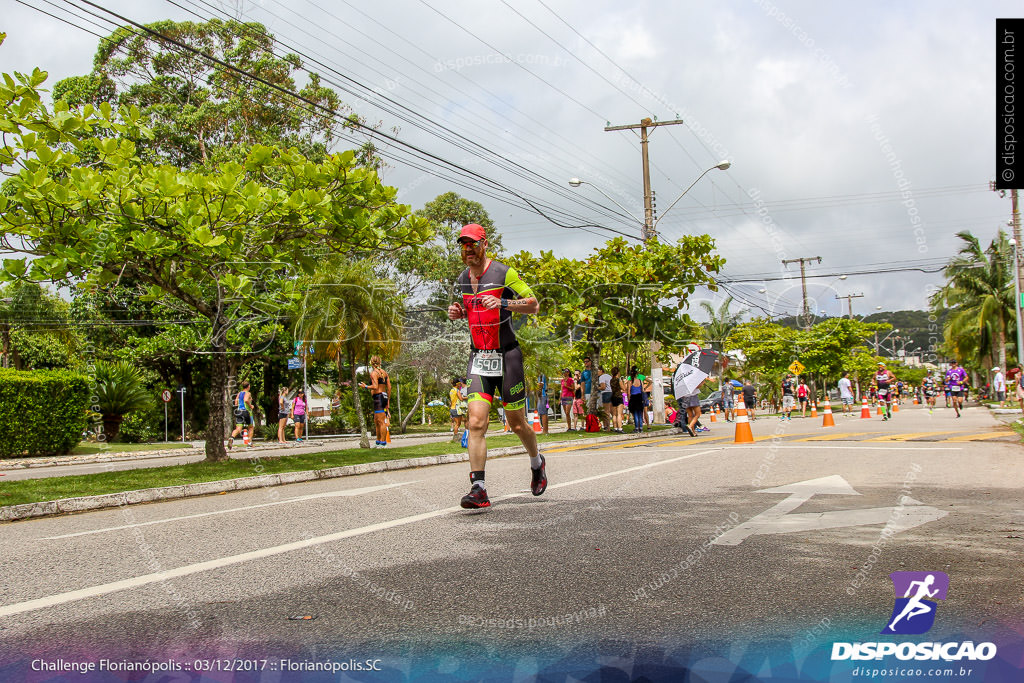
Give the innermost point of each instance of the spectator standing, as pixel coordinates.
(458, 406)
(1019, 374)
(298, 414)
(636, 398)
(284, 404)
(380, 390)
(749, 398)
(846, 393)
(803, 394)
(616, 385)
(566, 397)
(587, 377)
(999, 386)
(728, 401)
(542, 402)
(578, 407)
(604, 383)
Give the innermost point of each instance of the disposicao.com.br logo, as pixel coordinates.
(913, 613)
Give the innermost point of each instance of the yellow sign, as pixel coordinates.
(796, 367)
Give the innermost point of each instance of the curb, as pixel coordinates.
(13, 513)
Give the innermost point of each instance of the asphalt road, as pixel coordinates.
(679, 549)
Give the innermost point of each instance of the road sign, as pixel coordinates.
(294, 363)
(796, 367)
(165, 395)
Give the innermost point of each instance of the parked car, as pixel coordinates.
(713, 399)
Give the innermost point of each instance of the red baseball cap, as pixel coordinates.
(472, 231)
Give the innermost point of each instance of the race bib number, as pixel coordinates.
(883, 392)
(487, 364)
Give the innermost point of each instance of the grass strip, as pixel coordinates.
(100, 483)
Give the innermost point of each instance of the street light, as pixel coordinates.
(721, 166)
(576, 182)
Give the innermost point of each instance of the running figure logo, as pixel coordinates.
(913, 613)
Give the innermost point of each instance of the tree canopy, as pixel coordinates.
(223, 244)
(198, 111)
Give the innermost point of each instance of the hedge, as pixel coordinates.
(42, 412)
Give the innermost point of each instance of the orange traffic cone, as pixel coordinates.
(743, 433)
(536, 422)
(865, 412)
(878, 409)
(827, 421)
(895, 406)
(814, 409)
(714, 413)
(246, 437)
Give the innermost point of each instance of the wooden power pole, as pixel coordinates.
(803, 283)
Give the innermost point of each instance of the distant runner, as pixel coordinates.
(491, 291)
(929, 388)
(956, 384)
(883, 379)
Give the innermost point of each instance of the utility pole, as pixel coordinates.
(657, 389)
(803, 283)
(1019, 263)
(849, 302)
(648, 229)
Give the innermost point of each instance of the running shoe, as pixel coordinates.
(539, 484)
(476, 498)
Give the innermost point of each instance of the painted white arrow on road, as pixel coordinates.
(777, 520)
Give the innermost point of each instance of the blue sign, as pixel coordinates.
(295, 363)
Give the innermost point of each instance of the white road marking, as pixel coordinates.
(331, 494)
(135, 582)
(923, 447)
(777, 520)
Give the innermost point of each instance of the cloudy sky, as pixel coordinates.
(861, 133)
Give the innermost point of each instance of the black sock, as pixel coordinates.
(477, 477)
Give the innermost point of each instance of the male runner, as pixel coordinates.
(491, 291)
(883, 378)
(788, 402)
(929, 390)
(956, 383)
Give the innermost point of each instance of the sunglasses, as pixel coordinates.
(469, 243)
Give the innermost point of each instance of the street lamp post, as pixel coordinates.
(648, 232)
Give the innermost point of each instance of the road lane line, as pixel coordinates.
(869, 448)
(906, 436)
(829, 437)
(209, 565)
(979, 437)
(331, 494)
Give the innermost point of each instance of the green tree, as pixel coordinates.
(34, 329)
(632, 294)
(432, 268)
(219, 244)
(978, 297)
(200, 112)
(721, 322)
(349, 314)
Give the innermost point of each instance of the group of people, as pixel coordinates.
(289, 407)
(614, 395)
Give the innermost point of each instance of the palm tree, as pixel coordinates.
(721, 322)
(978, 295)
(349, 313)
(120, 389)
